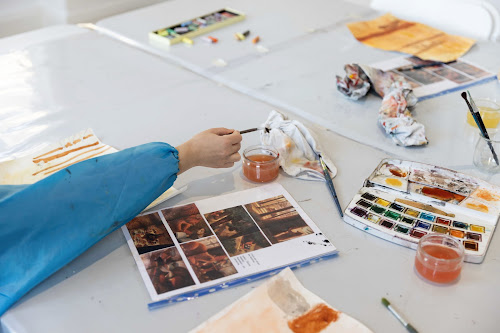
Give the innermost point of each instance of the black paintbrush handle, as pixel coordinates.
(249, 130)
(480, 125)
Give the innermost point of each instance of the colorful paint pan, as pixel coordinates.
(462, 225)
(368, 196)
(387, 224)
(427, 216)
(471, 246)
(383, 202)
(401, 229)
(417, 233)
(373, 218)
(440, 229)
(377, 209)
(411, 212)
(358, 211)
(440, 220)
(397, 207)
(423, 225)
(474, 236)
(408, 220)
(392, 215)
(363, 203)
(477, 228)
(457, 233)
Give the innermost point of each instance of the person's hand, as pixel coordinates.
(214, 148)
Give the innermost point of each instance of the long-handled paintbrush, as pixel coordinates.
(329, 183)
(254, 129)
(479, 122)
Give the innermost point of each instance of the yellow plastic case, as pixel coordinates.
(195, 27)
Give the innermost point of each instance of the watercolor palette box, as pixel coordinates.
(187, 251)
(195, 27)
(402, 201)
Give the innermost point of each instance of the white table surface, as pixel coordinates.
(129, 97)
(298, 72)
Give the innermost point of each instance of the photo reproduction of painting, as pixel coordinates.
(278, 219)
(186, 222)
(149, 233)
(236, 230)
(208, 259)
(166, 270)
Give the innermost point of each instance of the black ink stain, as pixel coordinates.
(67, 170)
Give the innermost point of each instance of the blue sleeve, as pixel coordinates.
(46, 225)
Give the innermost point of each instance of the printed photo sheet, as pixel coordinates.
(213, 241)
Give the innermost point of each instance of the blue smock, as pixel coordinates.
(46, 225)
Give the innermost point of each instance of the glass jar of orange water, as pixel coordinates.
(261, 163)
(490, 113)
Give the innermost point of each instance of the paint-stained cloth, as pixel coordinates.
(46, 225)
(298, 147)
(397, 99)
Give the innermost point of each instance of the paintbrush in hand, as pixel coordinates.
(479, 122)
(255, 129)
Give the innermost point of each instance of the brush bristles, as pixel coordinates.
(385, 302)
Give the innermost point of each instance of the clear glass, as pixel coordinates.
(261, 163)
(439, 258)
(490, 113)
(484, 152)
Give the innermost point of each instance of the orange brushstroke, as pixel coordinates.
(50, 158)
(83, 159)
(56, 165)
(50, 152)
(393, 182)
(479, 207)
(314, 320)
(486, 195)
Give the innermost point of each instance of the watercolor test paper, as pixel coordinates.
(281, 304)
(191, 250)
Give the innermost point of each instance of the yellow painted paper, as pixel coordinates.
(392, 34)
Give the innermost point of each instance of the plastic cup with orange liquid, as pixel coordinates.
(490, 113)
(439, 258)
(261, 163)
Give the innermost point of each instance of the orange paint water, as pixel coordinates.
(261, 168)
(438, 263)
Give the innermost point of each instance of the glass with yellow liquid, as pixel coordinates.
(490, 113)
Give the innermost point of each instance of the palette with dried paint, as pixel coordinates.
(426, 201)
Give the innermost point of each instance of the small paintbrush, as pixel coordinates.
(255, 129)
(479, 122)
(407, 325)
(329, 183)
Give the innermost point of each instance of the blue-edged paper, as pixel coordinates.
(192, 250)
(434, 81)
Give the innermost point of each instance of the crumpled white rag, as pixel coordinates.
(297, 146)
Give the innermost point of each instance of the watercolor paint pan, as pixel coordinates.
(405, 217)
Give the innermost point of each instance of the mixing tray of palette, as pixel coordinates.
(402, 201)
